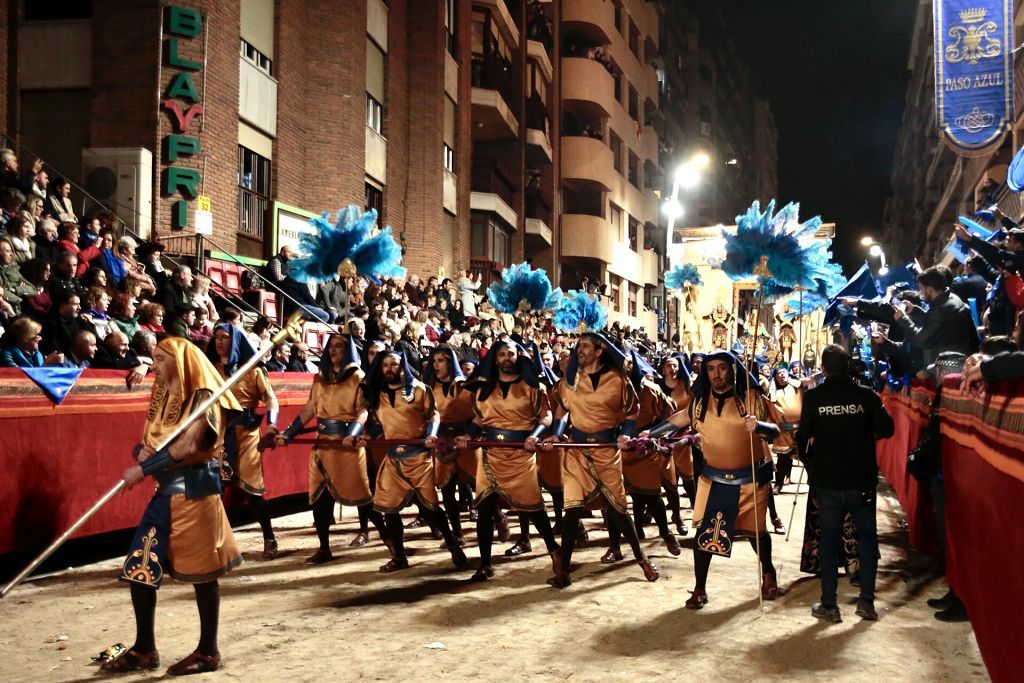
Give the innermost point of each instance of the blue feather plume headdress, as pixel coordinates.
(523, 289)
(795, 258)
(352, 238)
(683, 276)
(580, 312)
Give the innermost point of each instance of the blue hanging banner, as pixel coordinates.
(973, 73)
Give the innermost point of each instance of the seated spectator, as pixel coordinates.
(19, 346)
(278, 359)
(15, 287)
(58, 202)
(331, 297)
(46, 241)
(122, 315)
(298, 359)
(82, 350)
(151, 318)
(32, 211)
(69, 234)
(97, 301)
(64, 321)
(63, 279)
(409, 344)
(143, 344)
(89, 233)
(149, 260)
(116, 354)
(11, 201)
(9, 176)
(276, 269)
(37, 272)
(176, 298)
(179, 325)
(200, 291)
(40, 183)
(201, 330)
(95, 277)
(19, 232)
(121, 264)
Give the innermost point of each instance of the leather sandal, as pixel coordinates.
(416, 523)
(482, 573)
(522, 546)
(394, 564)
(651, 572)
(321, 556)
(269, 549)
(195, 663)
(779, 528)
(582, 538)
(459, 558)
(361, 539)
(611, 555)
(562, 580)
(130, 660)
(556, 562)
(672, 543)
(501, 525)
(769, 586)
(697, 599)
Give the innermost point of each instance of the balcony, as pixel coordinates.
(450, 192)
(587, 237)
(538, 148)
(592, 21)
(587, 164)
(587, 88)
(538, 230)
(492, 203)
(492, 118)
(502, 19)
(536, 51)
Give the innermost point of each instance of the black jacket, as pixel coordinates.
(839, 424)
(948, 326)
(971, 286)
(1004, 366)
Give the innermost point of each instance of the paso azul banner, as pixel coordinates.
(973, 73)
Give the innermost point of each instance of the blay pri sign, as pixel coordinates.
(973, 73)
(182, 103)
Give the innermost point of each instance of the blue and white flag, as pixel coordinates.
(55, 382)
(973, 73)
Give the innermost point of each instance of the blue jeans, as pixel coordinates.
(317, 314)
(832, 507)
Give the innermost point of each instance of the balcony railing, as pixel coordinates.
(494, 72)
(252, 213)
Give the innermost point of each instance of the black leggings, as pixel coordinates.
(487, 513)
(260, 509)
(702, 560)
(451, 506)
(396, 530)
(323, 517)
(614, 518)
(643, 502)
(144, 606)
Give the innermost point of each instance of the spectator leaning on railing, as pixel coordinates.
(947, 325)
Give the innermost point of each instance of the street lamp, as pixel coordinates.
(673, 209)
(687, 176)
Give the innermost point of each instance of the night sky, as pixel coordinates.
(836, 75)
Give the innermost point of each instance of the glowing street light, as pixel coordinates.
(673, 209)
(700, 160)
(732, 162)
(688, 176)
(867, 241)
(875, 250)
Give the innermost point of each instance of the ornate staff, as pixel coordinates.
(291, 330)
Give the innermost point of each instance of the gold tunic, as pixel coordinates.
(645, 474)
(590, 473)
(455, 404)
(726, 445)
(249, 392)
(399, 480)
(682, 455)
(332, 467)
(511, 472)
(201, 547)
(788, 403)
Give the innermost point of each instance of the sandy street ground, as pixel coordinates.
(283, 620)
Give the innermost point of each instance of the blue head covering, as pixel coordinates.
(639, 369)
(612, 356)
(453, 363)
(485, 377)
(546, 374)
(241, 348)
(375, 382)
(352, 361)
(682, 374)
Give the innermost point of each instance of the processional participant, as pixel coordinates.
(184, 530)
(675, 382)
(730, 417)
(787, 394)
(644, 472)
(337, 463)
(510, 404)
(599, 400)
(242, 465)
(405, 409)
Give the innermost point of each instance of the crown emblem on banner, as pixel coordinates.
(973, 16)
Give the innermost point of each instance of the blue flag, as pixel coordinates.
(907, 274)
(861, 285)
(958, 248)
(56, 383)
(973, 42)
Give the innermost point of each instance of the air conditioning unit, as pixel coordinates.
(121, 180)
(705, 129)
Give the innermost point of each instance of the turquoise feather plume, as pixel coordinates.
(523, 289)
(682, 276)
(352, 237)
(579, 311)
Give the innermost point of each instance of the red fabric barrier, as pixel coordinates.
(58, 460)
(983, 471)
(909, 416)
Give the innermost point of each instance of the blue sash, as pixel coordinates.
(147, 556)
(718, 526)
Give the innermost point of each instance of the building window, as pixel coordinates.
(450, 13)
(617, 78)
(449, 133)
(490, 240)
(449, 158)
(634, 233)
(616, 146)
(615, 292)
(256, 58)
(374, 113)
(634, 39)
(634, 171)
(615, 218)
(634, 291)
(618, 18)
(253, 192)
(634, 104)
(374, 198)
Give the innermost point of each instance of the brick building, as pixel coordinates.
(460, 121)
